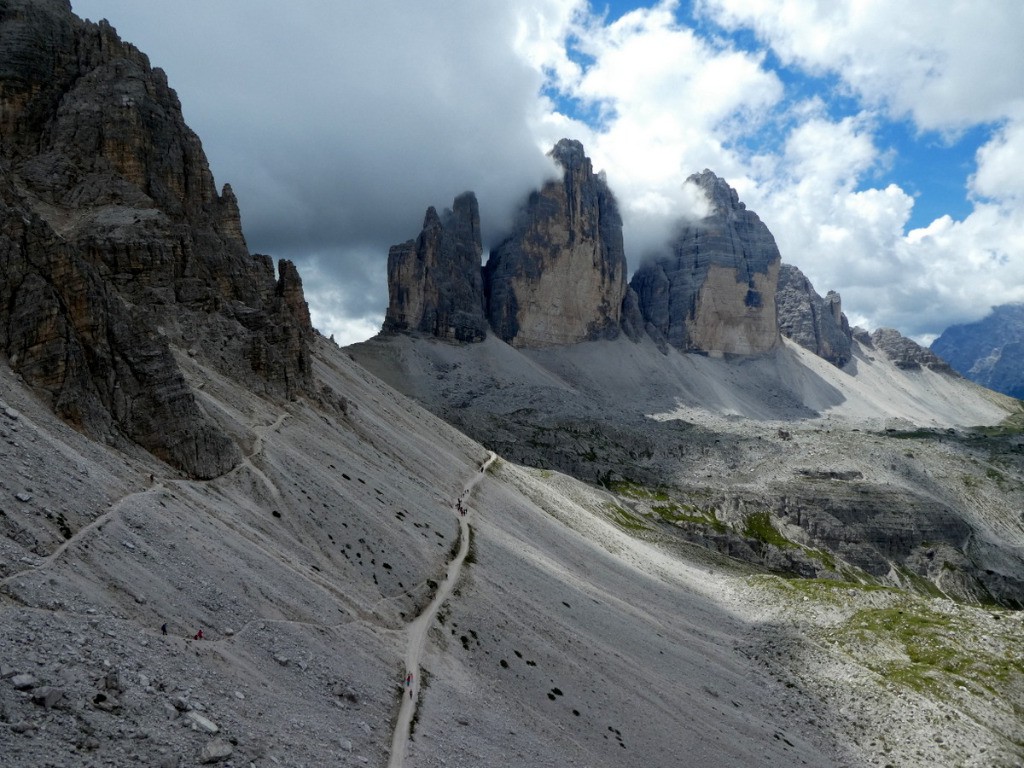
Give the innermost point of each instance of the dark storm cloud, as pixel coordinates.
(338, 123)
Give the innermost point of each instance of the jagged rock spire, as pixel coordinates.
(560, 276)
(434, 281)
(812, 322)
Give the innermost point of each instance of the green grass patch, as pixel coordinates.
(919, 583)
(838, 592)
(688, 513)
(823, 557)
(625, 519)
(758, 526)
(924, 646)
(939, 650)
(994, 474)
(637, 491)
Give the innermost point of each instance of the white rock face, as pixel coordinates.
(561, 276)
(724, 323)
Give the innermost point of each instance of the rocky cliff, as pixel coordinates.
(905, 353)
(117, 250)
(434, 281)
(560, 277)
(714, 289)
(990, 351)
(812, 322)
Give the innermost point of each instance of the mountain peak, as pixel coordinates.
(117, 249)
(560, 276)
(722, 197)
(569, 154)
(434, 282)
(713, 289)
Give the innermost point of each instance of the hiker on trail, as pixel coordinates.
(163, 627)
(199, 635)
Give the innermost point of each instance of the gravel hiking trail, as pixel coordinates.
(419, 626)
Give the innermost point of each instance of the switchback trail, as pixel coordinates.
(419, 627)
(156, 485)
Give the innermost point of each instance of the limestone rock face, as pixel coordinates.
(714, 290)
(989, 351)
(434, 282)
(906, 353)
(812, 322)
(560, 277)
(116, 248)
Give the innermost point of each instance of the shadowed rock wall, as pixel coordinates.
(116, 247)
(812, 322)
(434, 281)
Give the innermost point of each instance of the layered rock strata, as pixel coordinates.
(814, 323)
(434, 282)
(560, 277)
(116, 248)
(714, 290)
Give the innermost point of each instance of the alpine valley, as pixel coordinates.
(561, 510)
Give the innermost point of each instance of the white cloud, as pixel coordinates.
(669, 102)
(339, 123)
(948, 66)
(947, 71)
(1000, 163)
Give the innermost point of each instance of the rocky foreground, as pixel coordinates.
(219, 533)
(582, 628)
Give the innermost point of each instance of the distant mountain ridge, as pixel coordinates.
(719, 287)
(989, 351)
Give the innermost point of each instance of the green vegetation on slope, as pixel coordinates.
(931, 647)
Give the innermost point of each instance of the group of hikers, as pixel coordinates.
(197, 636)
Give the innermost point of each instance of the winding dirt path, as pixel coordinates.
(157, 485)
(419, 627)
